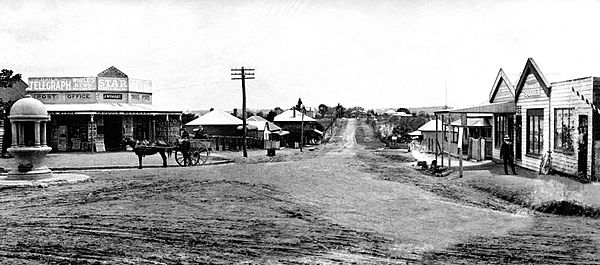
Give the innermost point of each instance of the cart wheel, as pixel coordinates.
(179, 158)
(181, 161)
(201, 153)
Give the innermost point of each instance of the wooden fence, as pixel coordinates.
(235, 143)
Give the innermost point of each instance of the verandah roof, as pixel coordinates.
(508, 107)
(109, 108)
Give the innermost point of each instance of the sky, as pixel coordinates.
(373, 54)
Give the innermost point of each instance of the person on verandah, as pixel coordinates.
(507, 155)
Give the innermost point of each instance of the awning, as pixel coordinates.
(248, 127)
(109, 109)
(473, 122)
(504, 107)
(317, 131)
(282, 133)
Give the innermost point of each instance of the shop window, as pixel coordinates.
(564, 127)
(535, 132)
(500, 129)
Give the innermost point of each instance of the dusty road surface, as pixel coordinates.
(340, 204)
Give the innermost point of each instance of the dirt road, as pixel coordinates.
(341, 204)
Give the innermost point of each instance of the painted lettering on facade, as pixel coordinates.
(139, 85)
(112, 96)
(62, 83)
(77, 96)
(531, 88)
(112, 83)
(45, 96)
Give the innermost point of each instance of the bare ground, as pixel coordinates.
(342, 204)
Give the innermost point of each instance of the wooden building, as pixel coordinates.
(554, 119)
(216, 122)
(292, 121)
(97, 112)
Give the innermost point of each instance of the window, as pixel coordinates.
(499, 129)
(535, 132)
(455, 134)
(564, 126)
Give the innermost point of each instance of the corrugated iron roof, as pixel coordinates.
(430, 126)
(288, 115)
(215, 117)
(108, 107)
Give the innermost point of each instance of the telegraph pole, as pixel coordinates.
(243, 74)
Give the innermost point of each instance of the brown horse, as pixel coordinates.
(144, 148)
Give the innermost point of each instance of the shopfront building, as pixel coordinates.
(96, 113)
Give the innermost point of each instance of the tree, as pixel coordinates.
(405, 110)
(7, 79)
(187, 117)
(323, 109)
(339, 110)
(271, 115)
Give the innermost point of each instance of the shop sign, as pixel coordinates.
(62, 83)
(533, 92)
(112, 83)
(78, 96)
(45, 96)
(139, 85)
(112, 96)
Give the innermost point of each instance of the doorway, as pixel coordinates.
(582, 144)
(113, 132)
(518, 122)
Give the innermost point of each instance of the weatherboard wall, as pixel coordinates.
(503, 94)
(532, 96)
(563, 97)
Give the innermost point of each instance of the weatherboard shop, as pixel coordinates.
(95, 113)
(552, 125)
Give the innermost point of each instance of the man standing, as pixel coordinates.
(507, 155)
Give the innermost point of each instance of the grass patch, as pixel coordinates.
(539, 195)
(570, 208)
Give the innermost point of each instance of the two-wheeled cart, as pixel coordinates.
(192, 153)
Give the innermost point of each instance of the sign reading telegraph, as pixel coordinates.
(62, 83)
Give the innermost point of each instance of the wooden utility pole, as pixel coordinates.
(243, 73)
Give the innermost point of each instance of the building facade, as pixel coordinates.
(96, 113)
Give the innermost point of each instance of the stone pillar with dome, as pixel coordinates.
(29, 118)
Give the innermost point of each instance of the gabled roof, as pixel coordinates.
(264, 125)
(112, 72)
(256, 118)
(288, 115)
(430, 126)
(532, 68)
(501, 78)
(215, 117)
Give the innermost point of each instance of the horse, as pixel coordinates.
(144, 148)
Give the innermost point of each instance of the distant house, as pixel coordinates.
(390, 112)
(263, 126)
(428, 132)
(291, 120)
(216, 122)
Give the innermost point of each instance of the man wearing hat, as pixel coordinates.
(506, 154)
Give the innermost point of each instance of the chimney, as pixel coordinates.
(294, 112)
(235, 112)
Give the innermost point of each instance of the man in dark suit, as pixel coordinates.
(507, 155)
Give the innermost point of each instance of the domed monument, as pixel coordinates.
(28, 118)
